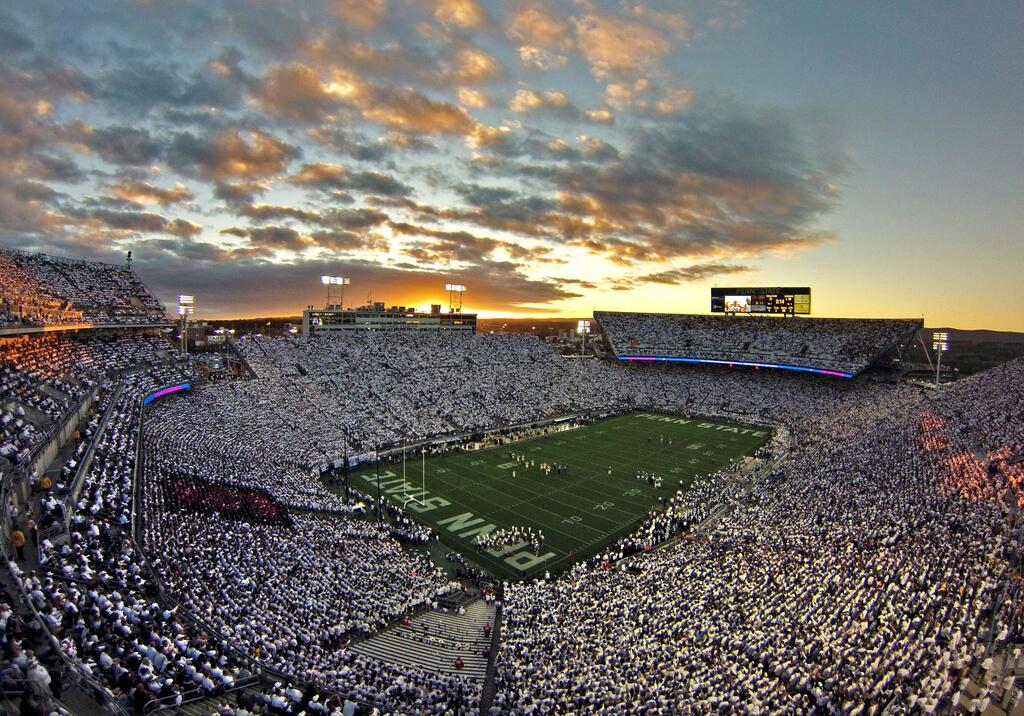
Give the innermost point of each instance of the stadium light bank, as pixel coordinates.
(335, 283)
(455, 290)
(186, 306)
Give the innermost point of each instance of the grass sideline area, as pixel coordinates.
(581, 511)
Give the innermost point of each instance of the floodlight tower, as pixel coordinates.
(455, 291)
(940, 344)
(583, 328)
(335, 283)
(186, 306)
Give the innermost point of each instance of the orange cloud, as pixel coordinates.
(483, 136)
(472, 98)
(364, 14)
(543, 38)
(535, 27)
(674, 98)
(540, 59)
(408, 110)
(619, 49)
(475, 66)
(526, 100)
(296, 91)
(140, 192)
(462, 13)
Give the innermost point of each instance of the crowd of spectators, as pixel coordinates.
(869, 568)
(43, 378)
(845, 345)
(318, 399)
(293, 594)
(872, 570)
(37, 290)
(94, 594)
(24, 678)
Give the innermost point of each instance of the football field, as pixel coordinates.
(596, 499)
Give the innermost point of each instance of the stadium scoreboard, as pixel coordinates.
(776, 300)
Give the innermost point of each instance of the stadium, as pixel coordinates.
(511, 358)
(722, 513)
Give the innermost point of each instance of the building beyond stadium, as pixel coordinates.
(375, 317)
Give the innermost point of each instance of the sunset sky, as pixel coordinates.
(555, 157)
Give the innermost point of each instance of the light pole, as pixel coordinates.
(455, 291)
(380, 512)
(186, 306)
(345, 431)
(583, 328)
(340, 282)
(940, 344)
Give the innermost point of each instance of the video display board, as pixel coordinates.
(754, 300)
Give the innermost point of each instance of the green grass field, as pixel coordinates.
(579, 512)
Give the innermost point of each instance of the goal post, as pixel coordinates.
(409, 495)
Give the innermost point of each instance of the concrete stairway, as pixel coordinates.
(212, 706)
(433, 640)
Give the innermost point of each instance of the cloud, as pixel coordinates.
(460, 13)
(295, 91)
(363, 14)
(618, 49)
(277, 237)
(685, 274)
(126, 222)
(673, 99)
(722, 180)
(242, 283)
(408, 110)
(351, 144)
(262, 213)
(472, 98)
(544, 39)
(674, 23)
(332, 217)
(53, 168)
(533, 26)
(324, 176)
(183, 228)
(122, 145)
(408, 142)
(286, 238)
(537, 58)
(474, 66)
(597, 149)
(508, 142)
(377, 130)
(239, 192)
(140, 85)
(13, 40)
(140, 192)
(231, 155)
(338, 240)
(551, 102)
(462, 246)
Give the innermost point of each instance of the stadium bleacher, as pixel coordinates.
(871, 568)
(41, 290)
(834, 346)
